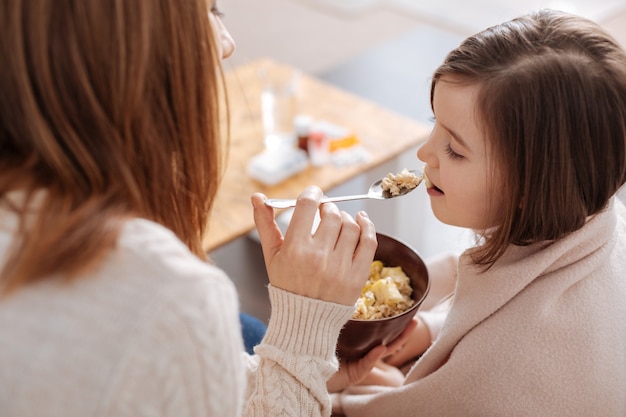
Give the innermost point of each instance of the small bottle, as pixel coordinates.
(302, 125)
(319, 147)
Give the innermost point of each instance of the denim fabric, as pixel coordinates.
(253, 331)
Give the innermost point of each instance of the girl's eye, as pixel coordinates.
(451, 154)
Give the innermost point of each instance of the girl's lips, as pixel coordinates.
(434, 192)
(431, 189)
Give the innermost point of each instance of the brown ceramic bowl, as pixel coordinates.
(359, 336)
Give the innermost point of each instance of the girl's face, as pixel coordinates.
(457, 163)
(225, 42)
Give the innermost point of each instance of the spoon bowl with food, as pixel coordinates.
(390, 186)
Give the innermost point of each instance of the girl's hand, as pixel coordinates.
(415, 343)
(384, 374)
(331, 264)
(371, 370)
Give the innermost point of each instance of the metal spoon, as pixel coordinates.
(375, 192)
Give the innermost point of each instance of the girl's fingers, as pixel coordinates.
(399, 341)
(353, 372)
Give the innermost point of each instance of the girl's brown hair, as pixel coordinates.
(112, 108)
(553, 102)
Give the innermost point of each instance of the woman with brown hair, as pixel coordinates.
(528, 150)
(110, 158)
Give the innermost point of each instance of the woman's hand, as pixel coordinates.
(331, 264)
(371, 370)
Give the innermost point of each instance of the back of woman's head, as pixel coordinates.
(553, 104)
(112, 108)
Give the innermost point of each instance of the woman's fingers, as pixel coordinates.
(330, 224)
(366, 249)
(304, 213)
(330, 264)
(269, 232)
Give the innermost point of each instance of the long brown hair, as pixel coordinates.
(111, 108)
(553, 104)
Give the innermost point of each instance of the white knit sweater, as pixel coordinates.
(542, 333)
(155, 332)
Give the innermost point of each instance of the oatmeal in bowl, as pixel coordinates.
(393, 313)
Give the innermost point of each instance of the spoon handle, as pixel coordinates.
(282, 203)
(344, 198)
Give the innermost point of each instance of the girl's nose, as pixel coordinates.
(425, 154)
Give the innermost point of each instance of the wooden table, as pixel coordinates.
(383, 133)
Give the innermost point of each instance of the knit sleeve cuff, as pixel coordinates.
(304, 325)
